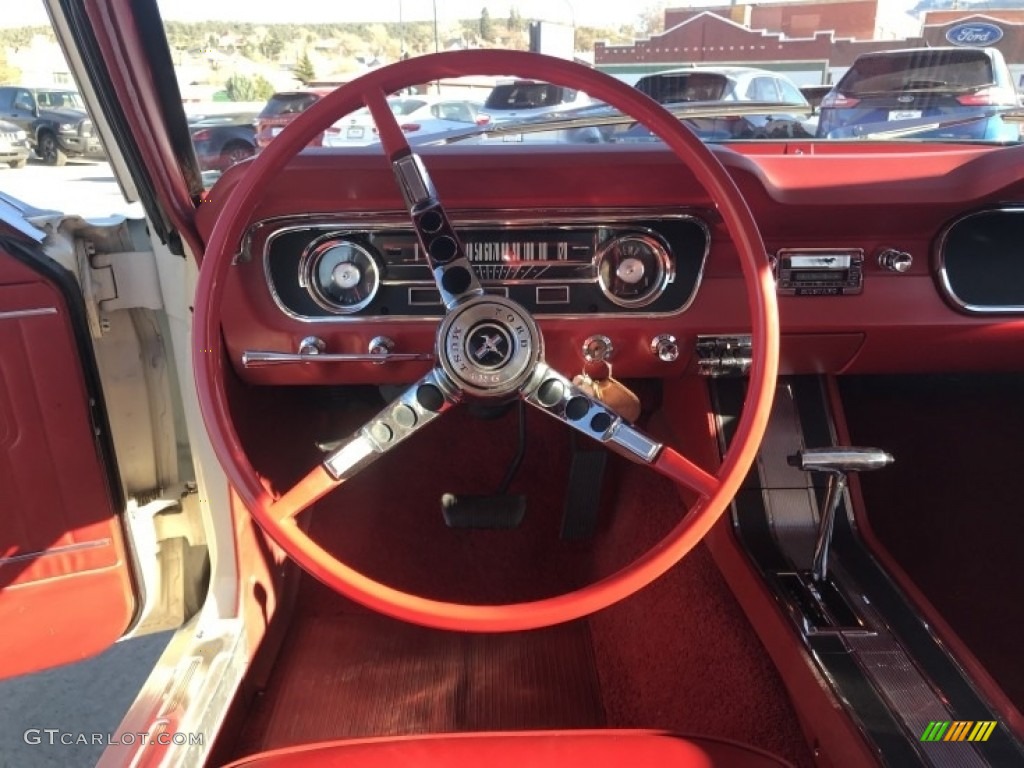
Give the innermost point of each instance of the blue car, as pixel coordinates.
(922, 93)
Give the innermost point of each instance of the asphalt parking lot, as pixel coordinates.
(73, 703)
(90, 697)
(85, 187)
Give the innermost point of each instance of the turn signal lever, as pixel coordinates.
(837, 462)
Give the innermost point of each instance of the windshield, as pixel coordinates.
(877, 71)
(670, 87)
(914, 70)
(527, 95)
(288, 104)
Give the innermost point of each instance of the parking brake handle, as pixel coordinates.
(837, 462)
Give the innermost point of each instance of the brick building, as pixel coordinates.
(812, 42)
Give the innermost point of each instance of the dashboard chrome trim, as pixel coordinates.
(505, 218)
(942, 274)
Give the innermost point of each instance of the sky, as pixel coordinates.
(602, 13)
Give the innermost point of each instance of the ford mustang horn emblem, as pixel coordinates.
(490, 345)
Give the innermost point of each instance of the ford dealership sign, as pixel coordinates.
(977, 33)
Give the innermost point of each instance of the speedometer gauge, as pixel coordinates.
(633, 269)
(342, 276)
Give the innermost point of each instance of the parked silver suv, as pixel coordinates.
(733, 84)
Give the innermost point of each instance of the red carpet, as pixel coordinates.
(949, 509)
(356, 675)
(680, 655)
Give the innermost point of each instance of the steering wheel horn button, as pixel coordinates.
(489, 346)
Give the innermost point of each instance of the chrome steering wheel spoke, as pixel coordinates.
(403, 417)
(416, 407)
(553, 393)
(556, 395)
(453, 273)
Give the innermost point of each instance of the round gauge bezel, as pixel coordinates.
(310, 263)
(661, 251)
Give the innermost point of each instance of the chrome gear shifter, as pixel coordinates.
(837, 462)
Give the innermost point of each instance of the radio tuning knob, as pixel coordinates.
(895, 261)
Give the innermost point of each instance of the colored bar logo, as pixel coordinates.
(958, 730)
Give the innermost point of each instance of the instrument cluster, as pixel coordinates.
(648, 264)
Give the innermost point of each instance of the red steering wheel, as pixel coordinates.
(486, 347)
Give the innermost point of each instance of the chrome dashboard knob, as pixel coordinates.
(665, 347)
(895, 261)
(312, 345)
(382, 346)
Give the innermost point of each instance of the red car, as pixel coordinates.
(281, 109)
(504, 453)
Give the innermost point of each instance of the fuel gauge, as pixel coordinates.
(634, 269)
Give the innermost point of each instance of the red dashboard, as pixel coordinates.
(872, 201)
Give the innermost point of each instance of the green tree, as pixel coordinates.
(242, 88)
(271, 46)
(304, 70)
(486, 27)
(515, 21)
(651, 20)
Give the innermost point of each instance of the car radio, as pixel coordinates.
(819, 271)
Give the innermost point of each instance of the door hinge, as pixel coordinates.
(114, 281)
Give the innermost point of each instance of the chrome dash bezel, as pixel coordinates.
(504, 218)
(942, 274)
